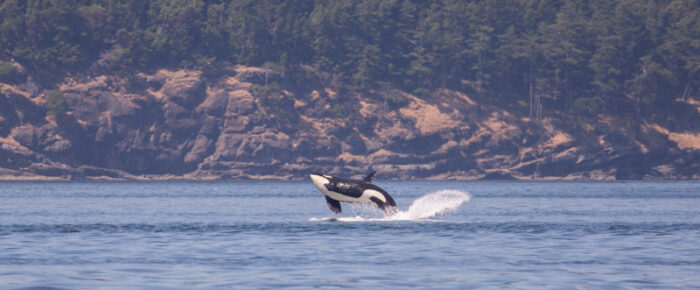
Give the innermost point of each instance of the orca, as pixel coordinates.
(354, 191)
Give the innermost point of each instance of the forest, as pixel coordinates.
(581, 58)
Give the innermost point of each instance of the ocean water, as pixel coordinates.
(172, 235)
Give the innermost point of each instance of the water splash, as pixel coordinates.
(433, 204)
(423, 208)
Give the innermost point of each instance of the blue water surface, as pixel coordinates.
(275, 234)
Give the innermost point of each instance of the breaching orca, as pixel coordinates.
(355, 191)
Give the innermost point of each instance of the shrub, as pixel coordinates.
(395, 100)
(341, 110)
(585, 110)
(9, 73)
(56, 103)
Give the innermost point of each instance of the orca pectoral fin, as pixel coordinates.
(333, 204)
(368, 178)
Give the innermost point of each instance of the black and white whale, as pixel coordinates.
(355, 191)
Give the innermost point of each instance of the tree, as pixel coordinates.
(681, 44)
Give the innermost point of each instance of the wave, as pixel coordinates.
(444, 227)
(423, 208)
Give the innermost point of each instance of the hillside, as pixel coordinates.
(270, 89)
(228, 124)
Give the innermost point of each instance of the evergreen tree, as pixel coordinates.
(545, 53)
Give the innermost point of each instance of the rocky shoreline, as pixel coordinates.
(232, 124)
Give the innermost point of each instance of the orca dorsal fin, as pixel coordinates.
(368, 178)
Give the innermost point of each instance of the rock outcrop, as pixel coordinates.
(185, 124)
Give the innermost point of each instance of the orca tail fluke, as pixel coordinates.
(390, 210)
(390, 207)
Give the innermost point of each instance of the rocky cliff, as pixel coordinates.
(231, 123)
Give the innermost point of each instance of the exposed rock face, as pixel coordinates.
(181, 124)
